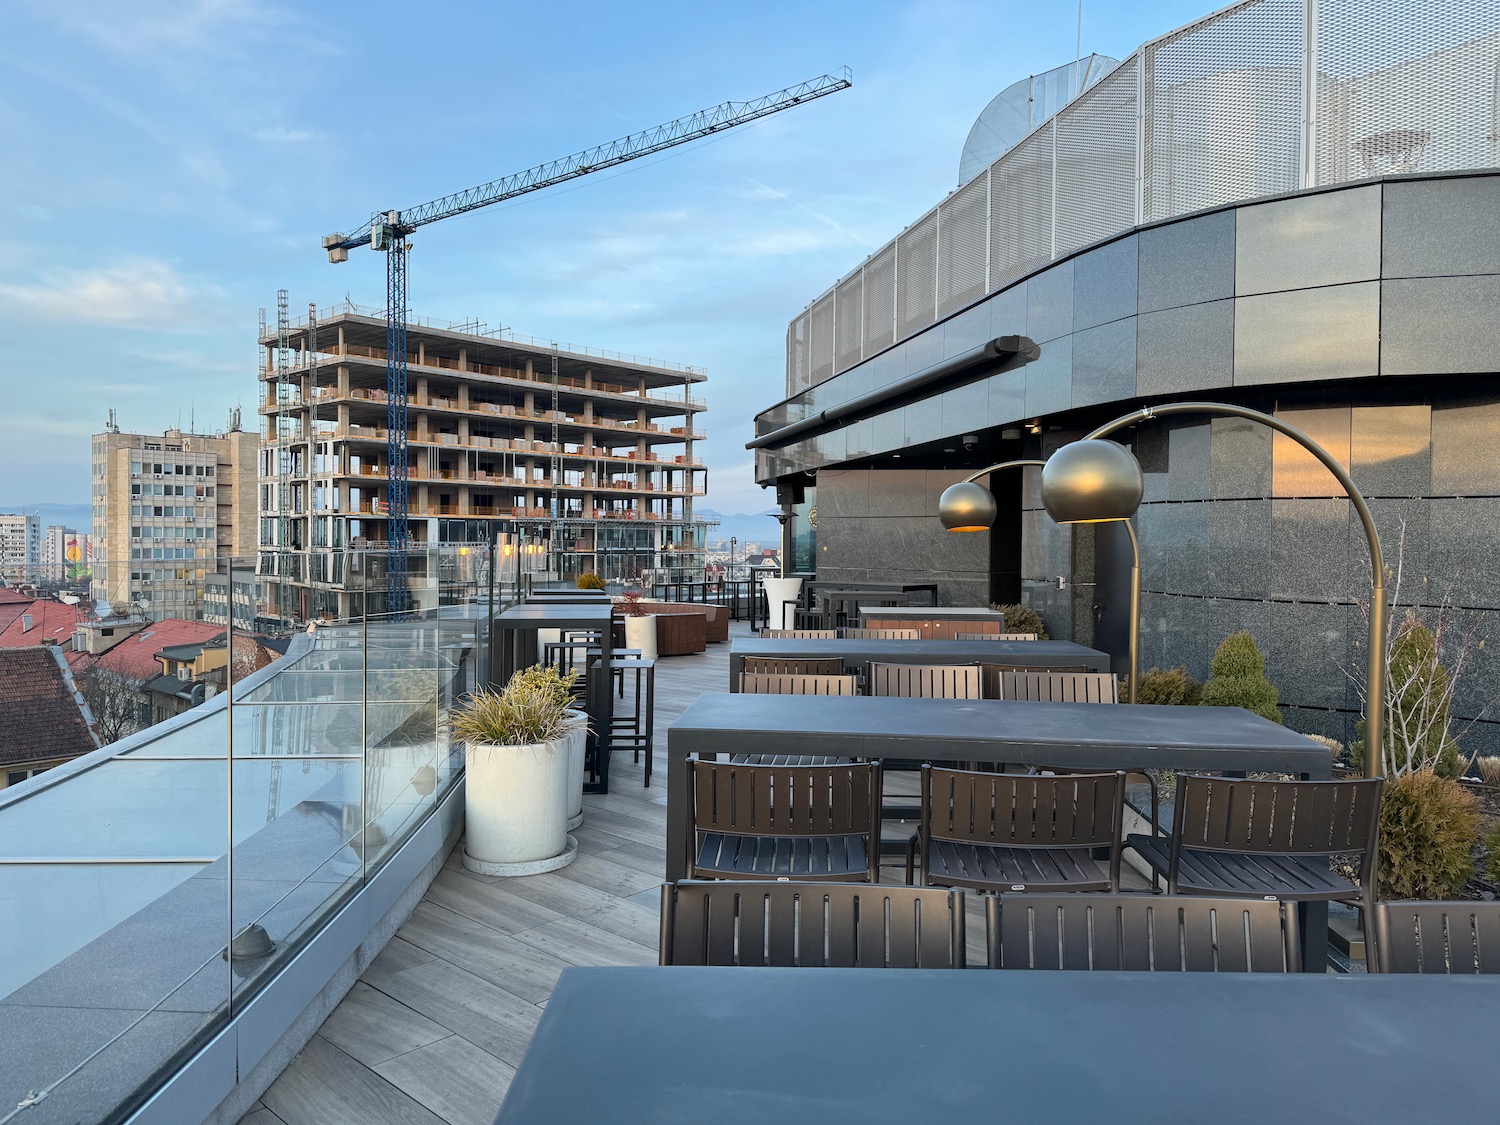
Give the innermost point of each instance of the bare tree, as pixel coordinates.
(1419, 688)
(115, 701)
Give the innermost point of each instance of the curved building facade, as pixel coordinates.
(1364, 310)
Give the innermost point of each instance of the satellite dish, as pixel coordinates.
(103, 608)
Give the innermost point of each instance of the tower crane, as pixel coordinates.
(387, 231)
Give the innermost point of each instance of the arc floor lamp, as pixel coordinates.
(1096, 481)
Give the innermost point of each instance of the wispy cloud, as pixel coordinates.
(287, 136)
(144, 293)
(196, 362)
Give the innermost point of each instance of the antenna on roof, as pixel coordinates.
(111, 426)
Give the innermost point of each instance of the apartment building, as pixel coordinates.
(20, 547)
(591, 451)
(65, 553)
(166, 510)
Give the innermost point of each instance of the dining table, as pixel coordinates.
(808, 1046)
(1080, 736)
(856, 653)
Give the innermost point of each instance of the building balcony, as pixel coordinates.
(364, 356)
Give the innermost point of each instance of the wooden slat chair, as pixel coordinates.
(1072, 686)
(852, 634)
(1141, 933)
(1437, 937)
(1060, 687)
(1018, 832)
(835, 925)
(762, 683)
(799, 634)
(919, 681)
(925, 681)
(1236, 838)
(785, 822)
(793, 666)
(996, 637)
(991, 675)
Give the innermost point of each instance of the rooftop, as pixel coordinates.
(40, 713)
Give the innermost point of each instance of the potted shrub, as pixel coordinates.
(640, 626)
(548, 679)
(516, 741)
(588, 580)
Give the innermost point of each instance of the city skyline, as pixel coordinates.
(174, 167)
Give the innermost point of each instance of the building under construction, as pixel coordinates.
(584, 458)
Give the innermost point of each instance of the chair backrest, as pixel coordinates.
(1141, 933)
(837, 925)
(850, 634)
(1277, 817)
(925, 681)
(990, 675)
(1060, 687)
(1022, 810)
(1437, 937)
(792, 666)
(799, 634)
(762, 683)
(761, 800)
(996, 637)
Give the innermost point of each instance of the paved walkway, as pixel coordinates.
(434, 1029)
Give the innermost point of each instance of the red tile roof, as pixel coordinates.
(135, 656)
(51, 623)
(40, 719)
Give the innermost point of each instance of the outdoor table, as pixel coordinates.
(857, 653)
(745, 1046)
(515, 646)
(1088, 736)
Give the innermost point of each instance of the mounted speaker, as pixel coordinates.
(789, 494)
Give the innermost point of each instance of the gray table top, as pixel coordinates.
(914, 652)
(733, 1045)
(1064, 734)
(936, 612)
(555, 614)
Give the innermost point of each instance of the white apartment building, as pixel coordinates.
(166, 509)
(20, 547)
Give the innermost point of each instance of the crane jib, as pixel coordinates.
(632, 147)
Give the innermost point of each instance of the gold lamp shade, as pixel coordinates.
(967, 506)
(1092, 481)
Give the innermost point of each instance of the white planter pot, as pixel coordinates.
(517, 805)
(779, 592)
(640, 632)
(577, 740)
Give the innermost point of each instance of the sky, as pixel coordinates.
(169, 165)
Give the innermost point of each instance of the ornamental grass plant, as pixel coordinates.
(529, 710)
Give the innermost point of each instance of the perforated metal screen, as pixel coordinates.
(1096, 161)
(1255, 100)
(961, 246)
(880, 300)
(848, 331)
(1406, 86)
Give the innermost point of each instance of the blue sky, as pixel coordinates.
(169, 165)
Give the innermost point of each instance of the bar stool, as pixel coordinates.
(636, 730)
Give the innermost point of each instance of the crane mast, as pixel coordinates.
(387, 231)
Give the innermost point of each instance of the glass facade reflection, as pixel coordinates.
(1327, 308)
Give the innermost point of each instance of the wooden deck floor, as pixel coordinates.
(434, 1029)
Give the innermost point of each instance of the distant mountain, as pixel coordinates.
(76, 516)
(747, 527)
